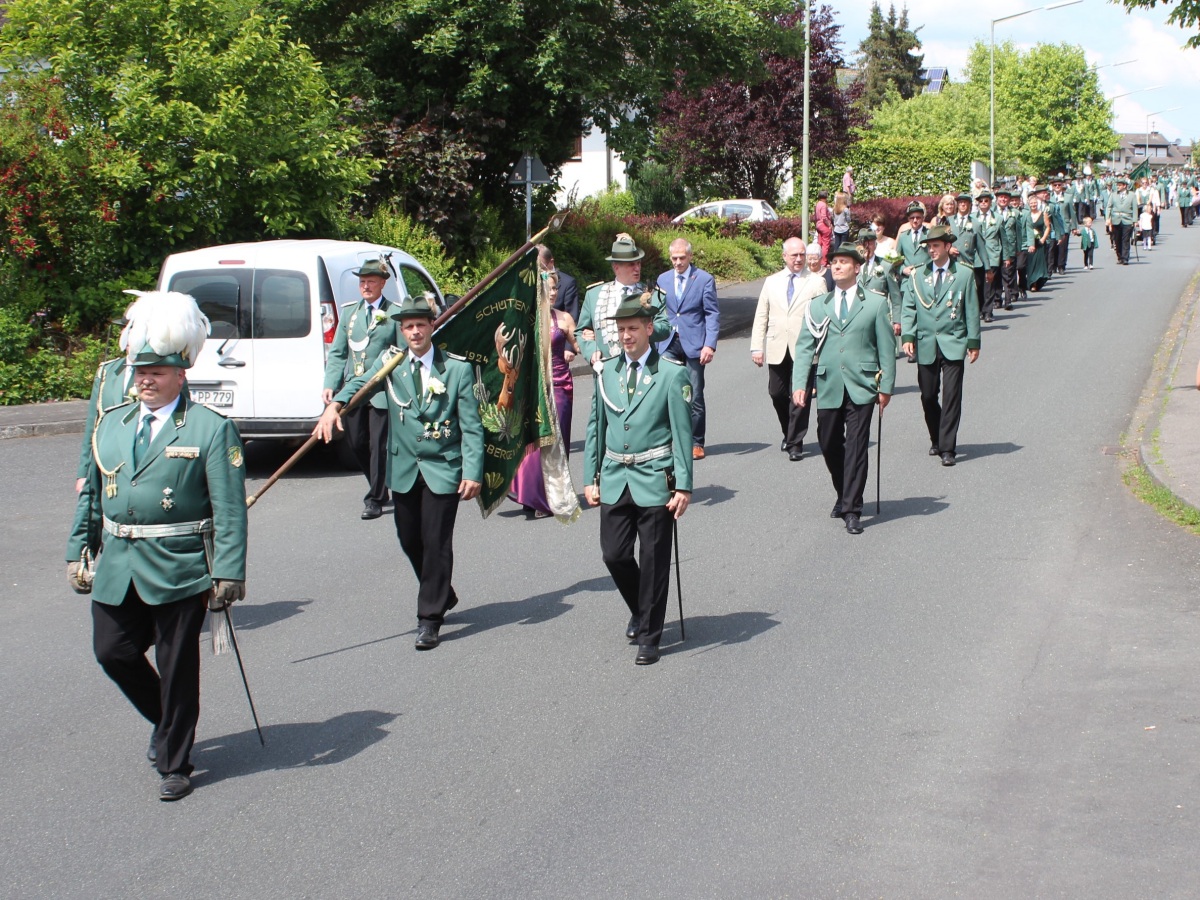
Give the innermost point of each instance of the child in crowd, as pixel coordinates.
(1087, 242)
(1146, 226)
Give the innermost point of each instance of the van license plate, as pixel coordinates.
(213, 398)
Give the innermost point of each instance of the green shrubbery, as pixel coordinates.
(897, 167)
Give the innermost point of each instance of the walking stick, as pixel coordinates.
(878, 458)
(242, 669)
(678, 584)
(555, 223)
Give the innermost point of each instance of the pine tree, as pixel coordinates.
(885, 57)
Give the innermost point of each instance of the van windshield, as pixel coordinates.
(250, 303)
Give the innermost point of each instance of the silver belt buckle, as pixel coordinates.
(627, 459)
(124, 531)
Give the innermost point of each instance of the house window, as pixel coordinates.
(577, 149)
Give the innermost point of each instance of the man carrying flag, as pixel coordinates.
(435, 447)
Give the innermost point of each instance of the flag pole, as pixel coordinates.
(449, 312)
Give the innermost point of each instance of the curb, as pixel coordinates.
(41, 429)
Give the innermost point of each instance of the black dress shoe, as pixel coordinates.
(372, 510)
(853, 525)
(453, 600)
(987, 318)
(152, 750)
(947, 459)
(427, 637)
(647, 655)
(174, 787)
(783, 445)
(796, 454)
(836, 513)
(632, 628)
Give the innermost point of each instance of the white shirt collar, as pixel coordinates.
(161, 416)
(641, 361)
(426, 360)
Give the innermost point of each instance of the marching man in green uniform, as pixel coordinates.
(989, 252)
(434, 451)
(364, 331)
(1011, 235)
(163, 512)
(1119, 217)
(909, 243)
(849, 336)
(638, 461)
(940, 327)
(597, 329)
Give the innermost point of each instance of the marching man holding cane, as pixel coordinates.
(848, 334)
(638, 461)
(164, 507)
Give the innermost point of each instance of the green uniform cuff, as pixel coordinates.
(972, 344)
(907, 339)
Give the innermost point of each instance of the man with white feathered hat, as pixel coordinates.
(163, 513)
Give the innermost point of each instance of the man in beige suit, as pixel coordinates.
(778, 321)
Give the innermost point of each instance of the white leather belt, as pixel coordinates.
(178, 529)
(631, 459)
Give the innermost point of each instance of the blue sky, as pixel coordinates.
(1105, 31)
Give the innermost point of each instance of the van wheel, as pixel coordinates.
(345, 455)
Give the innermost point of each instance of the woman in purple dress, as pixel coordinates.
(528, 489)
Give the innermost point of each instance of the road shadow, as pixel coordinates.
(712, 495)
(706, 633)
(738, 449)
(469, 621)
(904, 508)
(906, 389)
(293, 745)
(256, 615)
(968, 452)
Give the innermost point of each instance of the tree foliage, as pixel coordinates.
(887, 58)
(1050, 112)
(491, 78)
(1186, 14)
(187, 122)
(887, 165)
(737, 137)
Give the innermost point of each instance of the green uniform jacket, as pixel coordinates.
(914, 253)
(1122, 209)
(988, 240)
(193, 470)
(1087, 237)
(949, 319)
(342, 363)
(968, 244)
(1027, 232)
(1062, 215)
(852, 353)
(437, 435)
(879, 277)
(659, 415)
(1011, 233)
(108, 392)
(588, 318)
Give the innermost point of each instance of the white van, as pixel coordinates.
(274, 308)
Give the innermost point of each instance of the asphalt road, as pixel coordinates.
(992, 693)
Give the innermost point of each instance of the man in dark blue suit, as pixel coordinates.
(568, 290)
(691, 304)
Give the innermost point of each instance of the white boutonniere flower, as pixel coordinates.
(970, 226)
(434, 386)
(877, 271)
(380, 315)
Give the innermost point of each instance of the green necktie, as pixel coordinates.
(418, 387)
(633, 376)
(142, 444)
(843, 308)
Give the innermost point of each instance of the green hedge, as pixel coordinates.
(897, 167)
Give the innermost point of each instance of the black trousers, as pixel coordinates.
(988, 291)
(367, 432)
(1089, 256)
(169, 699)
(942, 419)
(845, 436)
(1007, 278)
(425, 526)
(793, 419)
(1022, 279)
(1121, 235)
(1057, 253)
(643, 582)
(981, 291)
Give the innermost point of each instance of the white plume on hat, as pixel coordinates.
(169, 322)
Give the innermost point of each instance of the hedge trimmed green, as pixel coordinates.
(898, 167)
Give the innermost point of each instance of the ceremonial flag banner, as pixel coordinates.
(1142, 171)
(504, 334)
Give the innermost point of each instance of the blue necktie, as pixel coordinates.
(791, 287)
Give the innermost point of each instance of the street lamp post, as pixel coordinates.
(992, 76)
(1148, 115)
(1124, 62)
(804, 151)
